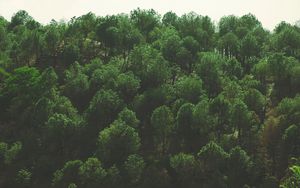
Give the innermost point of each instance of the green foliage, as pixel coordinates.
(104, 107)
(170, 44)
(219, 108)
(294, 179)
(185, 118)
(170, 18)
(203, 121)
(22, 79)
(145, 20)
(287, 40)
(239, 164)
(291, 138)
(240, 118)
(148, 65)
(104, 77)
(249, 47)
(213, 163)
(233, 68)
(255, 101)
(189, 89)
(212, 155)
(289, 111)
(183, 163)
(23, 177)
(185, 166)
(127, 100)
(11, 153)
(162, 121)
(3, 149)
(134, 166)
(20, 18)
(129, 118)
(127, 85)
(117, 142)
(68, 174)
(92, 173)
(229, 44)
(77, 84)
(281, 69)
(208, 70)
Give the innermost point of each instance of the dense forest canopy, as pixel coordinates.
(149, 101)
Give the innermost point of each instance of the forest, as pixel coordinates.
(144, 100)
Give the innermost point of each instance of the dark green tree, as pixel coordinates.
(116, 143)
(162, 121)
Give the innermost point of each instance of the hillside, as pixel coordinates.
(149, 101)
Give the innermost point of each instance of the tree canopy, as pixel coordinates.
(144, 100)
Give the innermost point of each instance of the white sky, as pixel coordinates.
(269, 12)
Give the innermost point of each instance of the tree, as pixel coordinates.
(162, 121)
(127, 86)
(291, 138)
(240, 119)
(233, 68)
(129, 118)
(134, 167)
(52, 40)
(208, 70)
(287, 40)
(170, 19)
(203, 123)
(108, 34)
(149, 66)
(187, 54)
(23, 178)
(11, 154)
(68, 174)
(229, 45)
(219, 108)
(280, 68)
(249, 21)
(145, 20)
(185, 167)
(156, 176)
(139, 100)
(239, 164)
(213, 162)
(31, 46)
(185, 130)
(261, 72)
(70, 53)
(76, 86)
(189, 88)
(170, 44)
(295, 81)
(293, 180)
(145, 103)
(199, 27)
(18, 93)
(104, 108)
(20, 18)
(184, 59)
(256, 102)
(129, 35)
(63, 130)
(249, 47)
(104, 77)
(92, 173)
(3, 38)
(117, 142)
(228, 24)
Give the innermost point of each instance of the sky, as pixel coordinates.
(269, 12)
